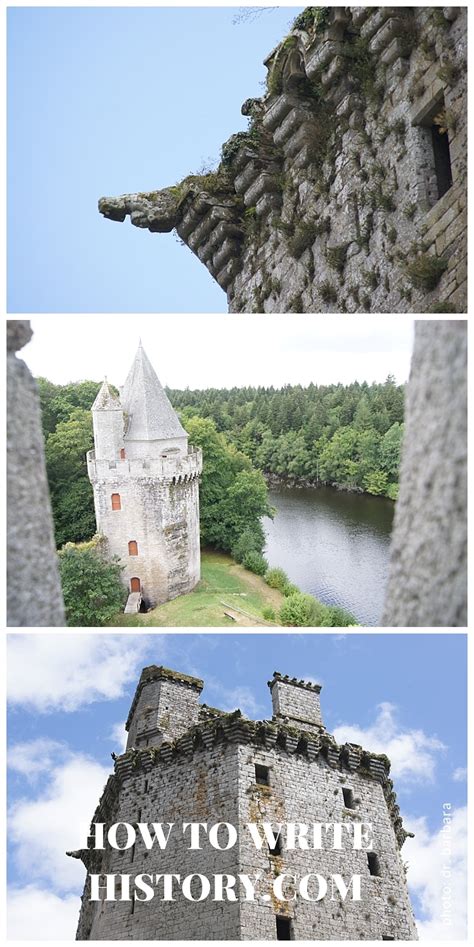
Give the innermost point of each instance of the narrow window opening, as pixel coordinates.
(387, 937)
(348, 798)
(283, 928)
(122, 453)
(145, 788)
(276, 848)
(132, 548)
(374, 864)
(135, 584)
(116, 501)
(441, 153)
(262, 775)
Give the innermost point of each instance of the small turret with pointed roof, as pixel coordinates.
(107, 416)
(106, 400)
(152, 425)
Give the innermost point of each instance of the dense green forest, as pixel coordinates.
(346, 435)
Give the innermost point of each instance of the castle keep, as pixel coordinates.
(348, 191)
(145, 478)
(187, 762)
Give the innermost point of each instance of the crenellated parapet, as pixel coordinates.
(179, 468)
(233, 728)
(348, 191)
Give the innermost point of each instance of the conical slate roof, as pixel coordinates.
(151, 416)
(105, 400)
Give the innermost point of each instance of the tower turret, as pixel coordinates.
(107, 418)
(165, 705)
(145, 478)
(296, 702)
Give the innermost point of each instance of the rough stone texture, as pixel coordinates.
(142, 455)
(34, 595)
(428, 564)
(331, 200)
(159, 712)
(205, 771)
(295, 701)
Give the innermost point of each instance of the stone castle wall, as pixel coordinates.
(208, 774)
(307, 791)
(337, 197)
(160, 515)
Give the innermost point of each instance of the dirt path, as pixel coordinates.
(274, 597)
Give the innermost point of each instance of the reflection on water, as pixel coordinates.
(334, 545)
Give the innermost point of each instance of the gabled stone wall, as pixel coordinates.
(331, 200)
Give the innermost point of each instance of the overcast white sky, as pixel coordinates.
(201, 351)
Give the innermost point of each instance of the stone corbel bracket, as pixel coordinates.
(210, 224)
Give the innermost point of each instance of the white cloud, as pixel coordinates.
(412, 752)
(239, 698)
(34, 757)
(438, 870)
(63, 672)
(118, 735)
(37, 914)
(56, 820)
(460, 774)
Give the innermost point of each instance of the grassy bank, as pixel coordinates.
(225, 587)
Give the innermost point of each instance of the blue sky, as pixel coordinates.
(106, 101)
(69, 695)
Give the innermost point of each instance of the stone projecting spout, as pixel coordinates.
(156, 211)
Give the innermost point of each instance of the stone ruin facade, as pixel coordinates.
(145, 478)
(348, 191)
(187, 762)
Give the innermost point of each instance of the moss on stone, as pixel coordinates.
(426, 271)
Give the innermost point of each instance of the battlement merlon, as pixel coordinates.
(179, 467)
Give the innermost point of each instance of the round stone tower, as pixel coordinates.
(145, 478)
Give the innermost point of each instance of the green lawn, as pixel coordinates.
(222, 581)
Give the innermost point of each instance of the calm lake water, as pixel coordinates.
(334, 545)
